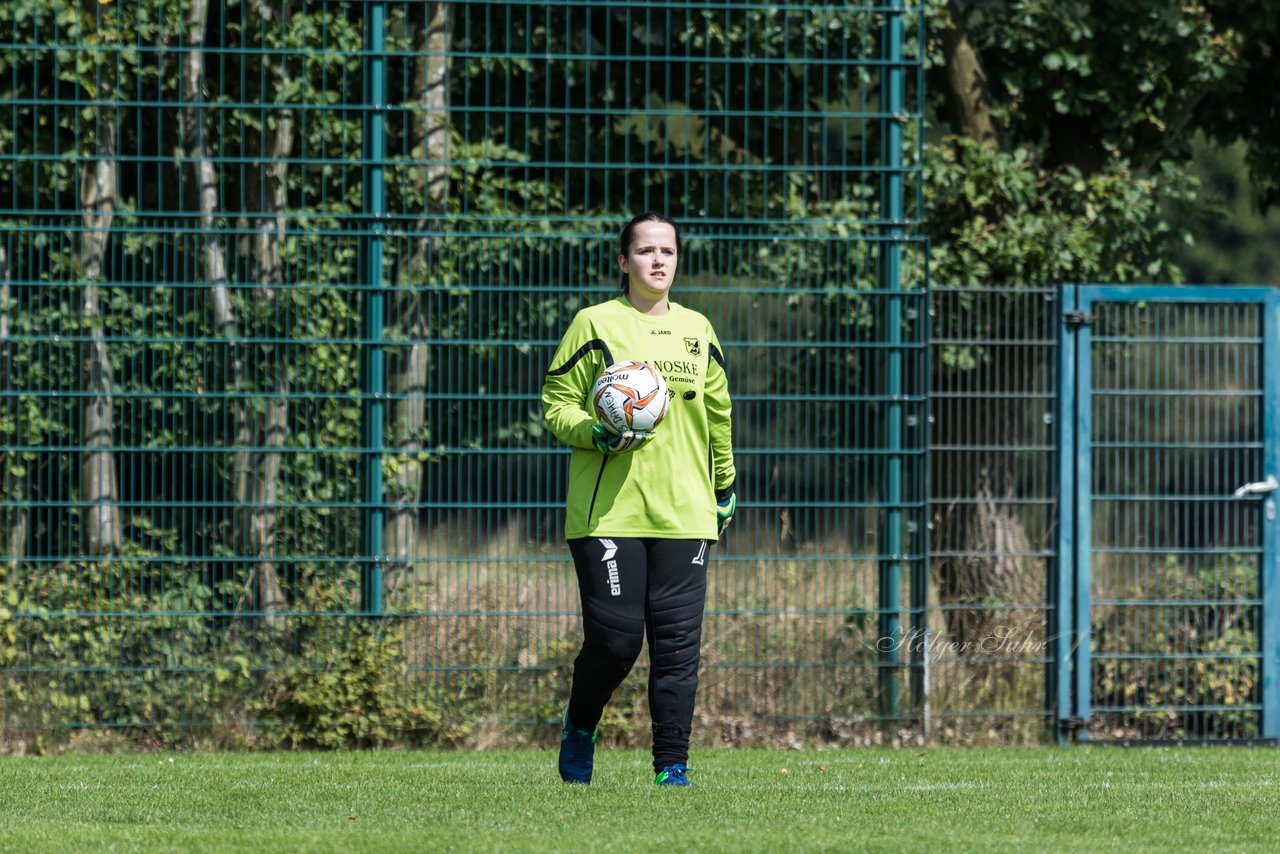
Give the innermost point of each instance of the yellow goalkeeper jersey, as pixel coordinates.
(667, 487)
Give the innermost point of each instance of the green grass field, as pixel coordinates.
(1080, 799)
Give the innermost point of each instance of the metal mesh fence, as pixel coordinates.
(993, 509)
(280, 281)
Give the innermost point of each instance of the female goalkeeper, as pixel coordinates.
(642, 507)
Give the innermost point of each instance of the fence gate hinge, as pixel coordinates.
(1071, 725)
(1076, 319)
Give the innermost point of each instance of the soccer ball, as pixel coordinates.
(630, 396)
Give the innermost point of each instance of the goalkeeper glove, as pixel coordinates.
(726, 506)
(608, 442)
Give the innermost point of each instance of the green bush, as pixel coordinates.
(1194, 662)
(349, 692)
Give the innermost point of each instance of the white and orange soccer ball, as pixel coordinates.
(630, 396)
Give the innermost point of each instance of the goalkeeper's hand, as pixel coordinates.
(608, 442)
(726, 506)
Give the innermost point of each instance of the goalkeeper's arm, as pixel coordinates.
(564, 390)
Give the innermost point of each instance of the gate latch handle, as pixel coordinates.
(1260, 487)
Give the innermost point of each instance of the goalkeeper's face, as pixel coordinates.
(650, 262)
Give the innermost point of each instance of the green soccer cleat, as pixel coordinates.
(673, 775)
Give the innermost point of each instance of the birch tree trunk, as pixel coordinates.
(260, 488)
(98, 487)
(205, 175)
(407, 366)
(16, 520)
(260, 482)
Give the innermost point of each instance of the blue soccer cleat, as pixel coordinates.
(673, 775)
(577, 753)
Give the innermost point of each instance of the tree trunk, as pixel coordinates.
(98, 488)
(963, 81)
(259, 503)
(408, 364)
(221, 306)
(206, 178)
(257, 486)
(983, 560)
(272, 192)
(16, 520)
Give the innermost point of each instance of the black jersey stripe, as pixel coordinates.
(596, 491)
(593, 344)
(717, 356)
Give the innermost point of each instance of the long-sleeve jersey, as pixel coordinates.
(666, 488)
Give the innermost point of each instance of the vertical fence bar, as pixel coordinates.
(1058, 682)
(372, 234)
(1083, 552)
(890, 284)
(1269, 583)
(919, 542)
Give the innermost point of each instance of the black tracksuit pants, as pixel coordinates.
(634, 589)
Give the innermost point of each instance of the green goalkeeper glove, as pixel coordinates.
(726, 506)
(607, 442)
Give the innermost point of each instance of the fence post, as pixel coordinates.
(1062, 605)
(889, 282)
(1269, 582)
(372, 235)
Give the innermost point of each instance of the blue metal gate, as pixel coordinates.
(1167, 621)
